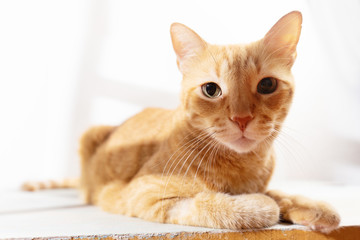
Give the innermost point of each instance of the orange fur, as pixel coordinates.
(194, 165)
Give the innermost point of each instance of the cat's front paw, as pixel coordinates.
(319, 216)
(254, 211)
(218, 210)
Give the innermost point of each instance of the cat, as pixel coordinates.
(208, 162)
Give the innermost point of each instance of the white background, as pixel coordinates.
(67, 65)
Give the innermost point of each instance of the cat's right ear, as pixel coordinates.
(187, 44)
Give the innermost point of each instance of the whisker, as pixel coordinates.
(178, 162)
(283, 144)
(189, 143)
(257, 155)
(196, 140)
(202, 160)
(212, 156)
(194, 158)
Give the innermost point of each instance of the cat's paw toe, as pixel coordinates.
(326, 223)
(322, 218)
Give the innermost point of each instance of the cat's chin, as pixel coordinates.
(242, 145)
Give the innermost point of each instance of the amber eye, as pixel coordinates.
(267, 85)
(211, 90)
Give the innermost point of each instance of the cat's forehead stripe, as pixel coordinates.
(242, 60)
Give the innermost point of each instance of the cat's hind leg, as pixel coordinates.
(173, 200)
(317, 215)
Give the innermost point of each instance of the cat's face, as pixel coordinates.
(240, 94)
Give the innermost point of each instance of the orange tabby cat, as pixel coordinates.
(208, 162)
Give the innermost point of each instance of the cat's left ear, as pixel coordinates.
(187, 44)
(283, 37)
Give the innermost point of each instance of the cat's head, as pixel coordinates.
(238, 93)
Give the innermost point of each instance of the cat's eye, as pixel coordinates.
(211, 90)
(267, 85)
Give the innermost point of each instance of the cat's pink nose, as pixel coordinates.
(242, 121)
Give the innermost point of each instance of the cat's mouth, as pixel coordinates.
(243, 144)
(244, 141)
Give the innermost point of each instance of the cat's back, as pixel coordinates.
(151, 126)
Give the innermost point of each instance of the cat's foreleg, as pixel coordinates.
(301, 210)
(173, 200)
(219, 210)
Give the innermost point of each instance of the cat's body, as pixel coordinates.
(208, 162)
(170, 137)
